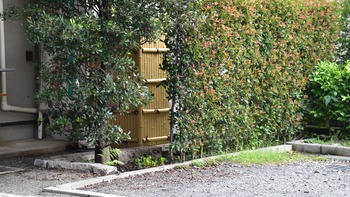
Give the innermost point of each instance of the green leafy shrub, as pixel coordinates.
(329, 95)
(237, 70)
(111, 156)
(149, 162)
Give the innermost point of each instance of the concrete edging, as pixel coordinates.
(72, 188)
(323, 149)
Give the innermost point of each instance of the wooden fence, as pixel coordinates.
(149, 125)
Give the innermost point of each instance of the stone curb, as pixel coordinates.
(72, 161)
(96, 168)
(72, 188)
(324, 149)
(75, 192)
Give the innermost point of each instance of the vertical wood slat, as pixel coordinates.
(155, 124)
(149, 125)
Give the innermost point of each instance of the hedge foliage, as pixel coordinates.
(238, 69)
(344, 40)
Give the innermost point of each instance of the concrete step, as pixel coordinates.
(31, 147)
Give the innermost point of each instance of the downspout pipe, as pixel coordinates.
(4, 104)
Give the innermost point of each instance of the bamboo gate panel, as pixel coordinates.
(148, 125)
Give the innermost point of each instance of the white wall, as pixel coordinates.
(20, 83)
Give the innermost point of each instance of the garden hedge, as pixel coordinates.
(237, 70)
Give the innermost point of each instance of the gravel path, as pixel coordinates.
(32, 180)
(308, 178)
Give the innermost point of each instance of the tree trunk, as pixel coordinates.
(101, 154)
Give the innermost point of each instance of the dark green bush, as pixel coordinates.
(90, 75)
(329, 95)
(238, 69)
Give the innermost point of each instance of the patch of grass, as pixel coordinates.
(329, 141)
(199, 164)
(267, 157)
(335, 138)
(205, 163)
(314, 141)
(183, 167)
(248, 158)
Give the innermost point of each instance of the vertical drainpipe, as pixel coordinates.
(139, 121)
(4, 105)
(71, 59)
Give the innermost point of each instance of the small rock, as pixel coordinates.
(40, 163)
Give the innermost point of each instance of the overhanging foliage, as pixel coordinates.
(90, 75)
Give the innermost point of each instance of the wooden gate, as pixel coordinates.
(149, 125)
